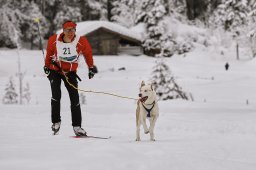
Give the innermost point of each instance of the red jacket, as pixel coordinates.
(83, 47)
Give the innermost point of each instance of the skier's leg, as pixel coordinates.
(74, 100)
(55, 81)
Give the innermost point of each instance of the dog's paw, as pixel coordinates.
(146, 132)
(137, 140)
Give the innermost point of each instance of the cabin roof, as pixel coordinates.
(87, 27)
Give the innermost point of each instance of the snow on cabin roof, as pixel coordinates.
(86, 27)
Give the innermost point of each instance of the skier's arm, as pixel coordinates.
(50, 50)
(87, 51)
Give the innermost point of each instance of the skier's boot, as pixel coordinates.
(56, 128)
(79, 131)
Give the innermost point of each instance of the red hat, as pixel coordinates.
(69, 24)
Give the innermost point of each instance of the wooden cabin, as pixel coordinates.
(107, 38)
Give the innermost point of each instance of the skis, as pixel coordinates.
(95, 137)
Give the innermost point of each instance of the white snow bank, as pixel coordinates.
(215, 132)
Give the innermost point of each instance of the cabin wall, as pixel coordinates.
(103, 43)
(107, 42)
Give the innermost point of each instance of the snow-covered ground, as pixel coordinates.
(216, 131)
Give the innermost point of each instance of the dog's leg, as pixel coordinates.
(138, 123)
(151, 128)
(144, 124)
(138, 133)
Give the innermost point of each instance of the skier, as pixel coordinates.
(63, 51)
(226, 66)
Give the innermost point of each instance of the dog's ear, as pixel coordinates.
(142, 84)
(152, 87)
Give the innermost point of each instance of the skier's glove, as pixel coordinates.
(46, 70)
(90, 73)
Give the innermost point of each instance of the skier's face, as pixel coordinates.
(69, 32)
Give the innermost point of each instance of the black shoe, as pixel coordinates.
(56, 128)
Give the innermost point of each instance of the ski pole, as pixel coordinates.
(37, 20)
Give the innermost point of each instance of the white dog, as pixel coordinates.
(147, 107)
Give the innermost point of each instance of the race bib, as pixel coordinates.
(67, 51)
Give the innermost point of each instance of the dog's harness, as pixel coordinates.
(149, 110)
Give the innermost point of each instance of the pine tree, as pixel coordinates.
(11, 19)
(231, 14)
(152, 14)
(196, 9)
(178, 6)
(164, 82)
(252, 7)
(11, 95)
(58, 11)
(252, 27)
(19, 16)
(168, 46)
(123, 12)
(94, 9)
(26, 93)
(49, 9)
(29, 28)
(67, 13)
(104, 10)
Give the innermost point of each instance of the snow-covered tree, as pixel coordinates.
(29, 27)
(26, 93)
(232, 17)
(252, 6)
(11, 19)
(164, 82)
(123, 12)
(67, 13)
(94, 9)
(168, 46)
(196, 9)
(178, 6)
(11, 95)
(152, 14)
(49, 9)
(19, 16)
(252, 27)
(58, 11)
(104, 10)
(230, 14)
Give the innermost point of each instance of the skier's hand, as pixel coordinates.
(90, 73)
(46, 70)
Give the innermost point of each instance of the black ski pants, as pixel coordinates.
(55, 79)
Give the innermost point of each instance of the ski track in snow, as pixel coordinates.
(215, 132)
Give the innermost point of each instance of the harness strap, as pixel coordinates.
(149, 110)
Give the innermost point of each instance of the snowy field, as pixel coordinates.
(216, 131)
